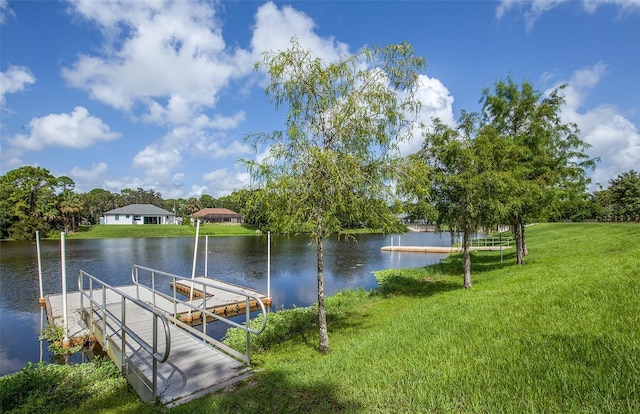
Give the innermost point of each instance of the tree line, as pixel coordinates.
(32, 199)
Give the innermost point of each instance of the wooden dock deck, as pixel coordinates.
(192, 370)
(218, 301)
(194, 367)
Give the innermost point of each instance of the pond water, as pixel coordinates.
(239, 259)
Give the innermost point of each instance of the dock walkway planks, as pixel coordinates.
(193, 367)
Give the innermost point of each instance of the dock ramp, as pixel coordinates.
(145, 329)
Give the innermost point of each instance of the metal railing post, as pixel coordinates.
(204, 308)
(153, 288)
(175, 297)
(123, 333)
(137, 282)
(155, 361)
(104, 318)
(247, 333)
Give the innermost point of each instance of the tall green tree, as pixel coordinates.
(335, 155)
(190, 206)
(28, 202)
(96, 202)
(69, 204)
(207, 201)
(466, 187)
(544, 156)
(141, 196)
(624, 193)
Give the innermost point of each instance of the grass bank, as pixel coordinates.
(559, 334)
(155, 230)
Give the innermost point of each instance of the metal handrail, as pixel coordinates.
(135, 277)
(490, 242)
(120, 322)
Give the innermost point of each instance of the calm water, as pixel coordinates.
(241, 260)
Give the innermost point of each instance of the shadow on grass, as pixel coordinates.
(300, 325)
(425, 281)
(275, 392)
(440, 277)
(481, 261)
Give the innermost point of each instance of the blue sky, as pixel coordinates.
(160, 94)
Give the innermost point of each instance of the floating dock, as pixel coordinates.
(439, 249)
(218, 301)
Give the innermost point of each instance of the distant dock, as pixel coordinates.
(439, 249)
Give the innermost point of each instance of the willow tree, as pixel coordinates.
(335, 156)
(543, 155)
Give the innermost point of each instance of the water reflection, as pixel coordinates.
(241, 260)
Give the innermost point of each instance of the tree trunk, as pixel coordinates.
(525, 251)
(322, 316)
(466, 260)
(516, 228)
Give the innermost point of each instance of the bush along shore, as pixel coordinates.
(559, 334)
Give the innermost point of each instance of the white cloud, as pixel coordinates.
(198, 190)
(77, 129)
(14, 79)
(87, 180)
(4, 10)
(613, 138)
(167, 57)
(115, 186)
(157, 161)
(222, 181)
(437, 102)
(274, 28)
(533, 9)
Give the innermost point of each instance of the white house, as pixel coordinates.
(139, 214)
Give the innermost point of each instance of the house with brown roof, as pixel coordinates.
(218, 215)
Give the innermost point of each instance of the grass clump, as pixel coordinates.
(52, 388)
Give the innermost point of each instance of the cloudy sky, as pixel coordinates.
(160, 94)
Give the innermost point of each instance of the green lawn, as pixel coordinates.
(560, 334)
(155, 230)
